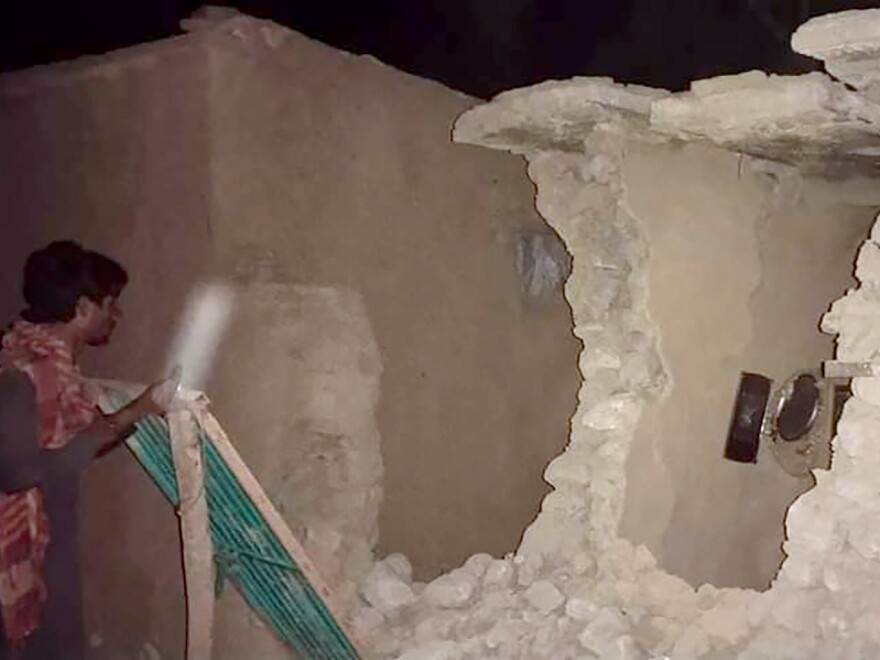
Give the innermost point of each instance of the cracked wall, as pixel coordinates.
(247, 152)
(113, 152)
(743, 263)
(575, 588)
(355, 183)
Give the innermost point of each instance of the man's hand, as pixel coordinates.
(146, 403)
(154, 400)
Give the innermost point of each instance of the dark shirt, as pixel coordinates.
(23, 465)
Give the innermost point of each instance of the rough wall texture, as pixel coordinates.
(338, 171)
(743, 263)
(114, 153)
(317, 450)
(260, 156)
(575, 588)
(298, 385)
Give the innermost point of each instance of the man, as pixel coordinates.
(50, 430)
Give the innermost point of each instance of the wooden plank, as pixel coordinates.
(270, 514)
(196, 403)
(195, 533)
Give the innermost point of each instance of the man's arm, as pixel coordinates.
(23, 464)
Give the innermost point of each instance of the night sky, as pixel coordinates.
(476, 46)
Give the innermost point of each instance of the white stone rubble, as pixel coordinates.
(452, 590)
(385, 590)
(574, 589)
(793, 119)
(556, 115)
(848, 43)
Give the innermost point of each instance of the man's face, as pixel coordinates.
(99, 320)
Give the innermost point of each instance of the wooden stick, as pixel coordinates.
(195, 534)
(196, 405)
(276, 523)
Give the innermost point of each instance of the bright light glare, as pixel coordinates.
(207, 314)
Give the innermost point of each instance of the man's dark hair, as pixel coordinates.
(56, 276)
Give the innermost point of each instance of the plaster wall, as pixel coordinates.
(113, 152)
(742, 266)
(336, 170)
(287, 168)
(575, 587)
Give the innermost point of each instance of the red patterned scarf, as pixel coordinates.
(64, 409)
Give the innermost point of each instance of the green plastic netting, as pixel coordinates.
(246, 550)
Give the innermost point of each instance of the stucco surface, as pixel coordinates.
(116, 157)
(210, 156)
(742, 266)
(339, 171)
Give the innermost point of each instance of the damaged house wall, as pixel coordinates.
(324, 187)
(575, 588)
(742, 264)
(113, 152)
(596, 152)
(329, 167)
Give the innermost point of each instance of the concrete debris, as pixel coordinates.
(454, 589)
(575, 589)
(555, 115)
(544, 597)
(849, 45)
(433, 651)
(812, 121)
(499, 574)
(400, 566)
(792, 119)
(385, 590)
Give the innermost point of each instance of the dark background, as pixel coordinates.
(476, 46)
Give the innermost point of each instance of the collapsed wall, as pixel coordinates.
(574, 588)
(192, 156)
(319, 460)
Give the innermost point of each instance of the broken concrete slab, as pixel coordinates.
(809, 120)
(556, 115)
(848, 43)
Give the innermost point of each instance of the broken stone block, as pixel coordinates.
(555, 115)
(477, 564)
(505, 638)
(619, 411)
(399, 565)
(601, 169)
(544, 597)
(583, 564)
(433, 651)
(491, 607)
(527, 569)
(805, 120)
(728, 618)
(608, 636)
(435, 627)
(848, 43)
(693, 643)
(367, 620)
(867, 389)
(581, 609)
(452, 590)
(569, 468)
(868, 263)
(499, 574)
(385, 591)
